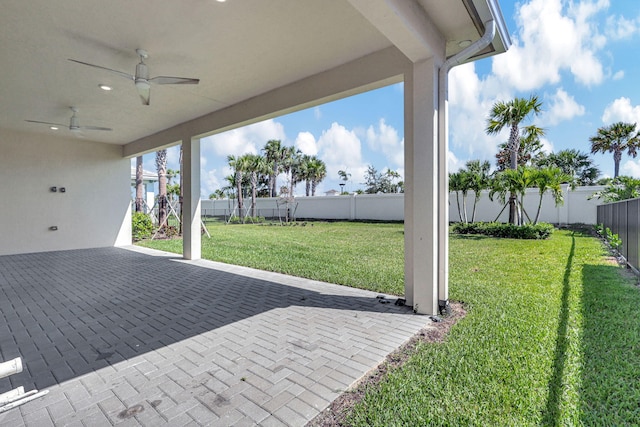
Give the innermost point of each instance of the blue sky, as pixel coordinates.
(581, 58)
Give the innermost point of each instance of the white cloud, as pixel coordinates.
(306, 143)
(209, 182)
(620, 28)
(563, 107)
(470, 100)
(619, 75)
(340, 149)
(547, 146)
(317, 113)
(248, 139)
(453, 162)
(386, 140)
(244, 140)
(621, 110)
(630, 168)
(553, 39)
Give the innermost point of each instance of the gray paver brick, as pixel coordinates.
(255, 412)
(290, 417)
(277, 401)
(102, 339)
(302, 408)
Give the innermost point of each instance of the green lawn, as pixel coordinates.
(338, 252)
(552, 334)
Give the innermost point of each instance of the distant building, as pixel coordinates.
(331, 193)
(148, 181)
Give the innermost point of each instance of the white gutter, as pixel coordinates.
(472, 49)
(443, 147)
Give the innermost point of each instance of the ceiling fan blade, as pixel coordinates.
(165, 80)
(94, 128)
(47, 123)
(145, 93)
(120, 73)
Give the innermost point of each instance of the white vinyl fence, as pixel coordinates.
(390, 207)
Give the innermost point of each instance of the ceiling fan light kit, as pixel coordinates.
(74, 124)
(141, 79)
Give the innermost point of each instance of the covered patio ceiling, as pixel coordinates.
(239, 49)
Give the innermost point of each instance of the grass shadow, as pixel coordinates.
(552, 410)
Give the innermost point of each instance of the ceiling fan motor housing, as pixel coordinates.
(142, 76)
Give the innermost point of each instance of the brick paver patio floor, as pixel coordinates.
(130, 336)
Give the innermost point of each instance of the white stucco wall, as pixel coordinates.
(577, 209)
(94, 211)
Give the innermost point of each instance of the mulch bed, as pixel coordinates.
(337, 412)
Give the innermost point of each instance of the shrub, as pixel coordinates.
(613, 239)
(496, 229)
(141, 226)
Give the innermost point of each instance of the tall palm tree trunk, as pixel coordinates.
(617, 156)
(254, 186)
(272, 180)
(239, 192)
(514, 142)
(139, 185)
(161, 166)
(181, 196)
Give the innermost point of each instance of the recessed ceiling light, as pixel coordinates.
(464, 43)
(221, 1)
(104, 87)
(54, 128)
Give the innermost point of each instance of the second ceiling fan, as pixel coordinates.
(142, 79)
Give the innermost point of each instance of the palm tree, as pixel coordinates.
(574, 163)
(620, 188)
(274, 155)
(173, 190)
(239, 165)
(291, 159)
(456, 184)
(529, 149)
(161, 167)
(478, 179)
(305, 173)
(317, 172)
(515, 182)
(615, 139)
(549, 179)
(511, 114)
(256, 166)
(344, 176)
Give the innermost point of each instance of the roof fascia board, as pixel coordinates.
(372, 71)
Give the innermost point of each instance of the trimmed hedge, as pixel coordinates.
(497, 229)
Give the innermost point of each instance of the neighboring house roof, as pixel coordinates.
(331, 192)
(146, 176)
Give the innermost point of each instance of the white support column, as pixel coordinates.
(443, 188)
(191, 242)
(421, 191)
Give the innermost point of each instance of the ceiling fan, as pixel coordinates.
(73, 123)
(141, 78)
